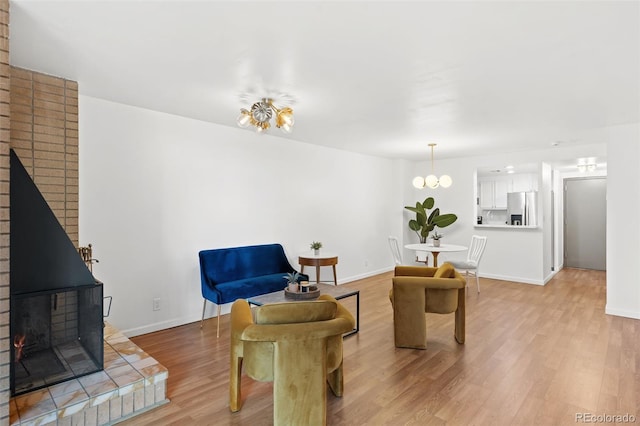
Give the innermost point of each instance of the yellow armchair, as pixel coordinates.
(298, 346)
(417, 290)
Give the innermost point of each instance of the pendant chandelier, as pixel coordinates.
(261, 114)
(432, 180)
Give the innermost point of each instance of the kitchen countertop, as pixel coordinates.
(498, 225)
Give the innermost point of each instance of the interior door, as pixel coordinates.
(585, 209)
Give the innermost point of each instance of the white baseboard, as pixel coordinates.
(550, 276)
(157, 326)
(511, 278)
(365, 275)
(150, 328)
(224, 310)
(621, 312)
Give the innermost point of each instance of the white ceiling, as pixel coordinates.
(381, 78)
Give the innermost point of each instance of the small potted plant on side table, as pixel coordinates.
(316, 246)
(436, 239)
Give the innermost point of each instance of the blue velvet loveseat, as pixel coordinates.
(228, 274)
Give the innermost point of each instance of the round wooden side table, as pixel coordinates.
(318, 260)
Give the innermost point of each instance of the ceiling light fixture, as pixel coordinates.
(586, 164)
(432, 180)
(261, 114)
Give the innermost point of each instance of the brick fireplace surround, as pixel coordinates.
(39, 120)
(5, 127)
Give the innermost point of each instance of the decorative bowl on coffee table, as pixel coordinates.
(312, 293)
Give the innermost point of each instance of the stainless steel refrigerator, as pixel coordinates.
(522, 208)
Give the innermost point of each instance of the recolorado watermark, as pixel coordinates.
(605, 418)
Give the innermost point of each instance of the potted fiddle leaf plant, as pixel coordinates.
(427, 219)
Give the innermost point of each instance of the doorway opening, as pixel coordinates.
(585, 219)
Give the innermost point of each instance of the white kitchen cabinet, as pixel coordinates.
(493, 193)
(485, 192)
(501, 188)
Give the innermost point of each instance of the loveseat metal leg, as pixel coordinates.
(218, 332)
(204, 305)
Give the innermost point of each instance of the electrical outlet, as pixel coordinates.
(156, 304)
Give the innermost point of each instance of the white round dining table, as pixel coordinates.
(435, 251)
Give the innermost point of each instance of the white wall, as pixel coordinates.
(511, 254)
(155, 189)
(623, 222)
(620, 145)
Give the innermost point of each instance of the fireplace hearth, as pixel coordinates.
(56, 303)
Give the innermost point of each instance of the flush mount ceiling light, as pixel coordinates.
(586, 164)
(261, 114)
(432, 180)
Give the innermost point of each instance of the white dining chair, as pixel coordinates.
(395, 250)
(474, 255)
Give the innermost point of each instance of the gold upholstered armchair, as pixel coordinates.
(298, 346)
(417, 290)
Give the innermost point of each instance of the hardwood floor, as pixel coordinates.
(533, 355)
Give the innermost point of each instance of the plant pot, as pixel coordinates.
(293, 288)
(316, 252)
(436, 243)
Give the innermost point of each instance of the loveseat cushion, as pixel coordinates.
(250, 287)
(236, 263)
